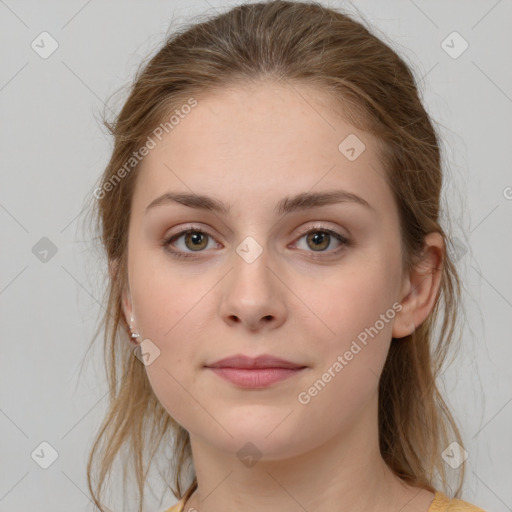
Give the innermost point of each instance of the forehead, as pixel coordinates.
(263, 141)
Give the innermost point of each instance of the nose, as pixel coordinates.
(253, 295)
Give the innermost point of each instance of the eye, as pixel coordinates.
(196, 240)
(320, 238)
(193, 238)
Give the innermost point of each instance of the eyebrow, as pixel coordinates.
(302, 201)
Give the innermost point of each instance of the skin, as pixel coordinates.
(250, 147)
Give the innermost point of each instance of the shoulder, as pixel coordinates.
(443, 503)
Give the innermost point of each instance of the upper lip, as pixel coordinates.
(262, 361)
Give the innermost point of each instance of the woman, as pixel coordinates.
(270, 219)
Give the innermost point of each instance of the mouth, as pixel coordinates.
(255, 378)
(252, 373)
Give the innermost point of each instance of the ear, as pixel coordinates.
(421, 287)
(126, 300)
(126, 304)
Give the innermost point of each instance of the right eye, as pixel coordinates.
(192, 237)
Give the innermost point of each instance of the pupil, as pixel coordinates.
(195, 238)
(319, 238)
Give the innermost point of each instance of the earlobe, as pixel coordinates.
(404, 323)
(126, 304)
(421, 288)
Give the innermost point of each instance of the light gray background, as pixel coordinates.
(54, 149)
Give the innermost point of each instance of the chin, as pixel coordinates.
(270, 439)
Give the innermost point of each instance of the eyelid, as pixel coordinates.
(319, 226)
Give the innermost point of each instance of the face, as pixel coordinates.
(314, 284)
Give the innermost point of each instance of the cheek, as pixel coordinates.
(164, 298)
(356, 299)
(359, 308)
(350, 361)
(170, 319)
(170, 311)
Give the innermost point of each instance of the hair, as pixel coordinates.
(288, 43)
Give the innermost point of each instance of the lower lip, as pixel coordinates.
(255, 378)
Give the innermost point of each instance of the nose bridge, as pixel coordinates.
(251, 271)
(252, 293)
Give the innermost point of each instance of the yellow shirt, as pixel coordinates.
(441, 503)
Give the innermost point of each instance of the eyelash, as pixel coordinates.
(316, 229)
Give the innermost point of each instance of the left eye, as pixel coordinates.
(196, 241)
(321, 238)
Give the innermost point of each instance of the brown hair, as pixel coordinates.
(289, 43)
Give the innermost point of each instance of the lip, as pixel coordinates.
(250, 363)
(255, 372)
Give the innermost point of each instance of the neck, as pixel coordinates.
(345, 473)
